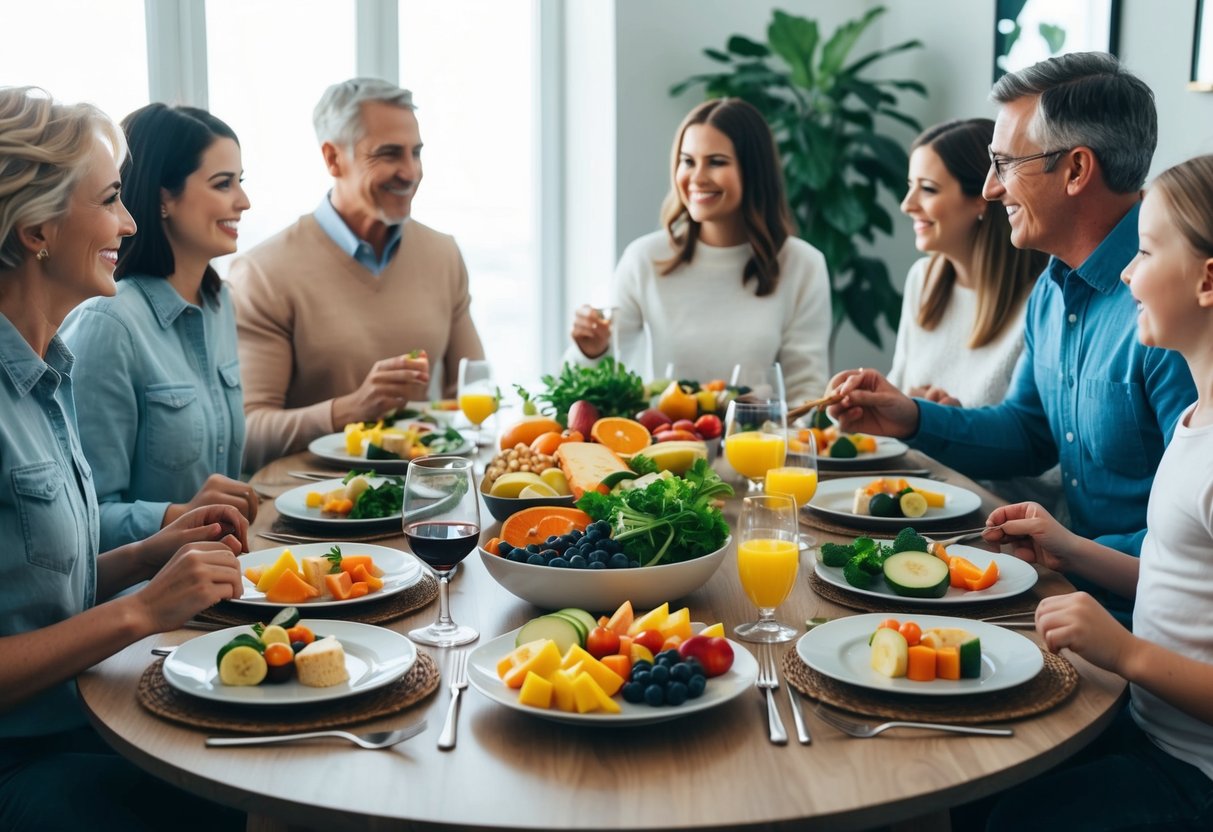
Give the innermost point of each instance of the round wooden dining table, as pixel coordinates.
(714, 769)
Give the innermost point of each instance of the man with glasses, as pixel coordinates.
(1071, 149)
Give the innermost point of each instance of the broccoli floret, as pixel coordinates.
(871, 562)
(855, 574)
(908, 540)
(835, 554)
(864, 544)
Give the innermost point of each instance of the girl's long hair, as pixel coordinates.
(1188, 190)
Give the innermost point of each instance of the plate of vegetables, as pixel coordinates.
(356, 501)
(886, 503)
(387, 449)
(325, 574)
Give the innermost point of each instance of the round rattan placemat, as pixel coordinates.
(1055, 683)
(381, 611)
(158, 696)
(935, 528)
(1025, 602)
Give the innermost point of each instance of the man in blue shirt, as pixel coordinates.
(1071, 148)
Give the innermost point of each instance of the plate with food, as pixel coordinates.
(388, 448)
(891, 502)
(837, 450)
(908, 569)
(242, 666)
(325, 574)
(355, 502)
(924, 655)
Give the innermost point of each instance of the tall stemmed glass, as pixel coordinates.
(478, 395)
(441, 524)
(798, 476)
(765, 381)
(756, 438)
(768, 558)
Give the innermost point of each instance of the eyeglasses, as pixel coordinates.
(1002, 164)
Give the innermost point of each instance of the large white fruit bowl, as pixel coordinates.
(603, 590)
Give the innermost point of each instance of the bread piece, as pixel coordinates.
(321, 664)
(586, 463)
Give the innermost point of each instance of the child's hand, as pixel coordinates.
(222, 524)
(1079, 622)
(197, 576)
(1033, 534)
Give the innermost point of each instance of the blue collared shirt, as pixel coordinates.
(48, 516)
(159, 379)
(362, 251)
(1086, 392)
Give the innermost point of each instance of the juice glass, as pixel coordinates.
(768, 558)
(755, 438)
(798, 477)
(478, 396)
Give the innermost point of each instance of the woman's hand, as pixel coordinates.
(591, 331)
(870, 404)
(1079, 622)
(219, 524)
(934, 394)
(196, 577)
(218, 490)
(390, 385)
(1034, 535)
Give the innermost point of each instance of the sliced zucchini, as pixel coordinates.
(615, 477)
(890, 653)
(564, 631)
(883, 505)
(916, 575)
(583, 633)
(970, 658)
(286, 618)
(587, 620)
(374, 451)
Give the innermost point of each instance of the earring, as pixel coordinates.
(981, 217)
(42, 254)
(163, 213)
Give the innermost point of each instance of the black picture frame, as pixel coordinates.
(1201, 79)
(1055, 40)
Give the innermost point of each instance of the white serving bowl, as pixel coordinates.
(603, 590)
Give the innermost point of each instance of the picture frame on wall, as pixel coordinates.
(1029, 31)
(1202, 48)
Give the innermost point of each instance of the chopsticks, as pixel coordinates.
(808, 407)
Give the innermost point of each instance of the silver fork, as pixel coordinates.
(373, 740)
(862, 729)
(768, 681)
(965, 534)
(459, 681)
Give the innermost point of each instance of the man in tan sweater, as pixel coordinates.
(339, 314)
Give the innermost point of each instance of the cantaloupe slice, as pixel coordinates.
(291, 589)
(286, 561)
(361, 574)
(338, 585)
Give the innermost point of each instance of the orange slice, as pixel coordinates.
(535, 525)
(623, 436)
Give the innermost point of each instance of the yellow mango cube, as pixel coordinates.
(678, 624)
(590, 697)
(314, 499)
(652, 620)
(607, 679)
(543, 663)
(353, 440)
(536, 691)
(518, 655)
(286, 562)
(562, 691)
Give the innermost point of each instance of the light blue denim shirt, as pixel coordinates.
(162, 409)
(48, 516)
(331, 223)
(1085, 392)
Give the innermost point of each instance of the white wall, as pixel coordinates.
(660, 42)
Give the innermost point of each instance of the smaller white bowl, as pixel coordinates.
(603, 590)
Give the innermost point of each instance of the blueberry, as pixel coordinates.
(592, 535)
(504, 548)
(600, 554)
(633, 692)
(676, 693)
(680, 672)
(549, 553)
(609, 546)
(695, 686)
(533, 548)
(575, 535)
(578, 562)
(552, 539)
(696, 667)
(660, 674)
(633, 564)
(598, 565)
(559, 563)
(672, 654)
(641, 676)
(641, 664)
(519, 555)
(618, 561)
(536, 559)
(654, 695)
(296, 646)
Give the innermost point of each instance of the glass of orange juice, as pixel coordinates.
(768, 558)
(478, 395)
(798, 476)
(755, 438)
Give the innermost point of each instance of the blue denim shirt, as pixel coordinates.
(331, 223)
(48, 516)
(163, 409)
(1085, 392)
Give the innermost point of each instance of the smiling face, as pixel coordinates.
(1165, 278)
(203, 219)
(945, 219)
(377, 183)
(708, 179)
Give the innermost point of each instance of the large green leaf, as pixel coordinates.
(717, 55)
(844, 210)
(908, 121)
(795, 40)
(872, 57)
(840, 44)
(740, 45)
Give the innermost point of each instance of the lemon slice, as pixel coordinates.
(539, 489)
(512, 484)
(557, 481)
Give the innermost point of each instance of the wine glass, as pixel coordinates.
(478, 395)
(755, 438)
(798, 476)
(442, 524)
(765, 381)
(768, 558)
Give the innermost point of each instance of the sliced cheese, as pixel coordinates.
(585, 464)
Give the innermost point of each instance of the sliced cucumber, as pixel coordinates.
(374, 451)
(558, 628)
(970, 658)
(884, 505)
(916, 575)
(582, 630)
(286, 618)
(890, 653)
(615, 477)
(589, 621)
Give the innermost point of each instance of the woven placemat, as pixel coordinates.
(1055, 683)
(389, 608)
(1024, 602)
(156, 695)
(309, 533)
(936, 528)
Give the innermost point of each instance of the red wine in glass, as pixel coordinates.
(442, 544)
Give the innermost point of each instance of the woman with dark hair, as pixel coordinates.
(725, 282)
(164, 426)
(973, 287)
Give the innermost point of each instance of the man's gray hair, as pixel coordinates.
(1088, 99)
(338, 115)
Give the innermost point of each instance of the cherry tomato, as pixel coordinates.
(713, 652)
(891, 623)
(278, 654)
(651, 639)
(912, 632)
(602, 642)
(300, 633)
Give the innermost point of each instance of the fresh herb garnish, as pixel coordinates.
(610, 387)
(334, 557)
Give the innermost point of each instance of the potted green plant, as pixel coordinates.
(827, 119)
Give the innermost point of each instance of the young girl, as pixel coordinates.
(1156, 770)
(724, 283)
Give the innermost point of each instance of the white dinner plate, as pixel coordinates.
(374, 657)
(400, 571)
(1014, 576)
(886, 448)
(835, 497)
(332, 449)
(839, 649)
(293, 505)
(482, 673)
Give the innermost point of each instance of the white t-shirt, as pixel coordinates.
(1174, 605)
(702, 320)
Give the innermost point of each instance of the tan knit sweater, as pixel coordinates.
(311, 322)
